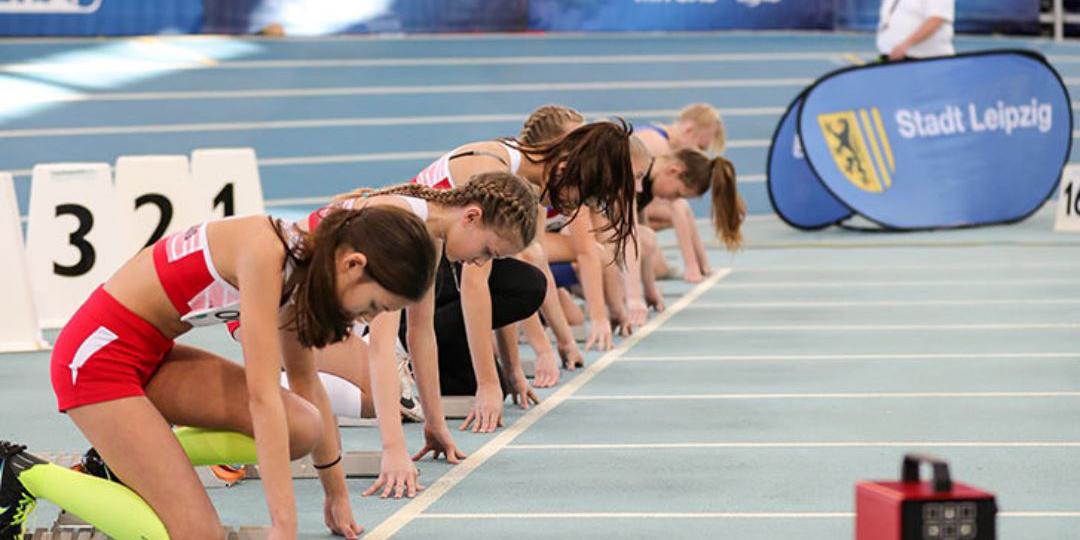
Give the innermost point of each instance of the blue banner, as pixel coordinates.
(971, 15)
(973, 139)
(795, 192)
(647, 15)
(321, 17)
(99, 17)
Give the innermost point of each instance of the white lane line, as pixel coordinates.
(872, 327)
(445, 483)
(824, 395)
(297, 201)
(800, 444)
(690, 515)
(435, 61)
(796, 269)
(351, 158)
(416, 89)
(639, 515)
(313, 123)
(891, 284)
(843, 357)
(883, 303)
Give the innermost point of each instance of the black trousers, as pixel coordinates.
(517, 290)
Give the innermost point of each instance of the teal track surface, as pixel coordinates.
(750, 410)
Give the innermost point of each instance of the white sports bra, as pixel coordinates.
(437, 175)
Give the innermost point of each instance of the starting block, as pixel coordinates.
(580, 333)
(350, 422)
(457, 407)
(223, 476)
(528, 366)
(356, 465)
(208, 478)
(87, 532)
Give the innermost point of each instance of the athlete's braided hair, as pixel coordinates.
(506, 200)
(548, 122)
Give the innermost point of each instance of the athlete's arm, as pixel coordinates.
(486, 415)
(592, 280)
(304, 380)
(423, 350)
(398, 475)
(258, 273)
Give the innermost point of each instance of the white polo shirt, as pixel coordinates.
(900, 18)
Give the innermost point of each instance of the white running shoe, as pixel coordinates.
(410, 405)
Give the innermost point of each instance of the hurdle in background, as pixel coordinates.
(83, 226)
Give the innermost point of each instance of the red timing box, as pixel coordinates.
(933, 510)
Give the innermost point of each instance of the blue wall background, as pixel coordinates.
(300, 17)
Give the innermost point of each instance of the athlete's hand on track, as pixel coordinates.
(398, 476)
(547, 371)
(487, 411)
(638, 312)
(600, 335)
(439, 442)
(523, 394)
(571, 355)
(338, 515)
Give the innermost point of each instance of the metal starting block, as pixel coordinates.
(87, 532)
(356, 465)
(224, 477)
(528, 365)
(580, 333)
(70, 527)
(63, 459)
(206, 476)
(457, 407)
(347, 421)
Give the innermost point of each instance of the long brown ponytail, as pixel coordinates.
(728, 207)
(595, 161)
(507, 201)
(400, 258)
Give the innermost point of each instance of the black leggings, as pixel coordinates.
(517, 290)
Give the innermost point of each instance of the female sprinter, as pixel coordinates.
(601, 280)
(698, 127)
(490, 217)
(590, 166)
(122, 379)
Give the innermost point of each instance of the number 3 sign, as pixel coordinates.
(82, 228)
(74, 240)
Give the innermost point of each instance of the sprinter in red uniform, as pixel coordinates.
(120, 376)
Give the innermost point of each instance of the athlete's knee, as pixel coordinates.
(682, 206)
(524, 283)
(305, 426)
(647, 238)
(187, 527)
(534, 254)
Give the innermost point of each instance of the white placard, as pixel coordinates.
(74, 240)
(158, 194)
(19, 330)
(1068, 207)
(230, 179)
